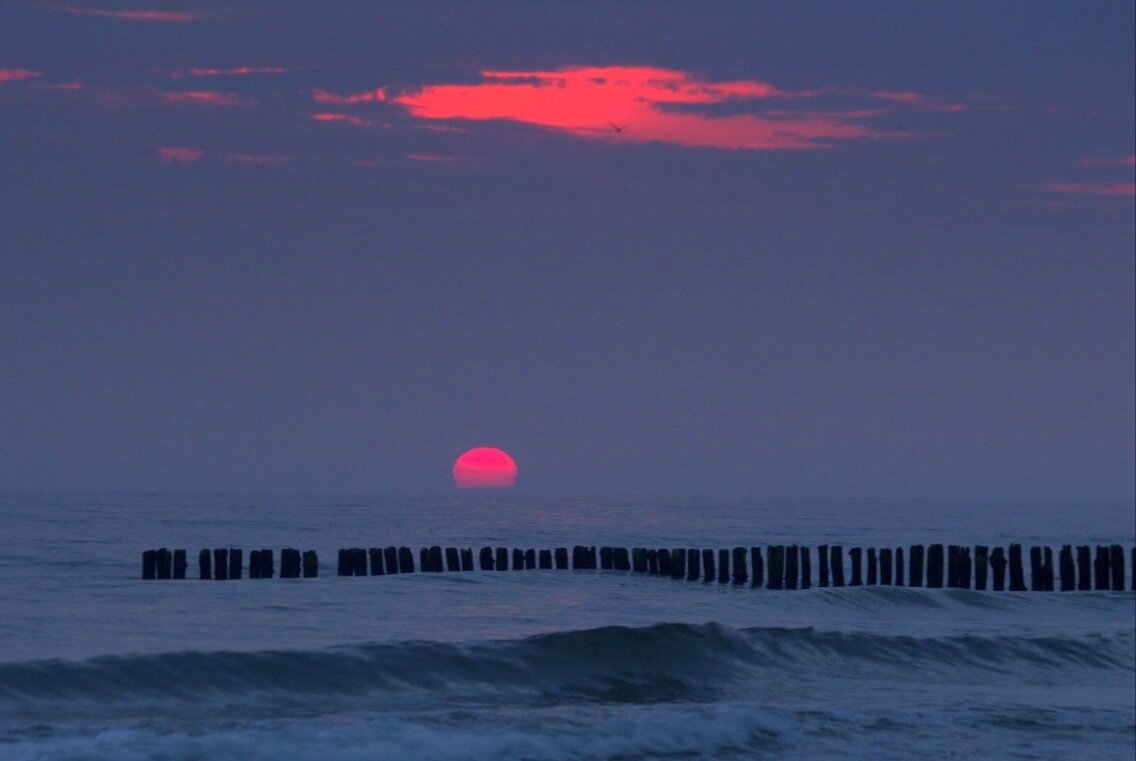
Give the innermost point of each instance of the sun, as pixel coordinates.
(485, 468)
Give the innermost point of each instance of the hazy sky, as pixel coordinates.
(759, 249)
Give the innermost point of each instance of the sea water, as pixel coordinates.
(96, 663)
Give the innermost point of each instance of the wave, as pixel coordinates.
(655, 664)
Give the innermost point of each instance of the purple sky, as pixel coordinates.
(747, 249)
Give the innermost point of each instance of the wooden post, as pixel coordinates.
(899, 566)
(220, 564)
(621, 560)
(836, 564)
(1068, 570)
(775, 578)
(757, 564)
(885, 566)
(358, 561)
(546, 560)
(290, 562)
(1017, 577)
(1102, 569)
(530, 559)
(792, 566)
(664, 557)
(467, 558)
(502, 560)
(485, 558)
(310, 561)
(707, 565)
(390, 560)
(639, 560)
(1084, 568)
(518, 559)
(693, 563)
(653, 562)
(998, 569)
(164, 562)
(425, 564)
(150, 565)
(204, 564)
(916, 575)
(254, 564)
(873, 572)
(723, 566)
(436, 559)
(267, 568)
(236, 558)
(561, 557)
(1037, 575)
(1117, 554)
(741, 567)
(343, 568)
(935, 566)
(952, 565)
(405, 560)
(854, 558)
(578, 557)
(607, 561)
(822, 556)
(964, 568)
(678, 562)
(806, 569)
(180, 565)
(981, 563)
(1047, 565)
(453, 560)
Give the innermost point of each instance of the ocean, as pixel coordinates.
(96, 663)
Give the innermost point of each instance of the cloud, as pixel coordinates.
(236, 71)
(634, 104)
(254, 158)
(355, 121)
(1101, 189)
(179, 155)
(15, 75)
(147, 16)
(203, 98)
(1113, 161)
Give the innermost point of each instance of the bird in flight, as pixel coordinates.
(616, 127)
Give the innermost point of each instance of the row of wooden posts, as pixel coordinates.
(777, 567)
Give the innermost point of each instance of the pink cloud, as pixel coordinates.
(355, 121)
(372, 96)
(179, 155)
(203, 98)
(149, 16)
(234, 71)
(15, 75)
(254, 158)
(630, 104)
(1103, 189)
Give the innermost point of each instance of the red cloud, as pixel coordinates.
(373, 96)
(234, 71)
(15, 75)
(355, 121)
(629, 103)
(1093, 188)
(179, 155)
(204, 98)
(160, 17)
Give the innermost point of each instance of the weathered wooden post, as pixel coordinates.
(311, 564)
(1116, 552)
(652, 562)
(935, 566)
(964, 568)
(885, 566)
(180, 565)
(390, 560)
(204, 564)
(426, 561)
(998, 569)
(873, 572)
(952, 565)
(467, 558)
(1068, 570)
(1017, 577)
(915, 577)
(854, 558)
(220, 564)
(1102, 569)
(806, 569)
(723, 566)
(502, 560)
(822, 556)
(693, 563)
(236, 558)
(792, 566)
(374, 555)
(639, 559)
(1084, 568)
(163, 561)
(485, 558)
(344, 564)
(1047, 567)
(981, 563)
(561, 557)
(678, 562)
(757, 563)
(453, 560)
(740, 566)
(664, 558)
(150, 565)
(268, 566)
(1037, 575)
(436, 559)
(530, 558)
(358, 561)
(405, 560)
(290, 562)
(899, 566)
(519, 559)
(254, 564)
(621, 560)
(775, 578)
(546, 560)
(607, 561)
(836, 564)
(707, 565)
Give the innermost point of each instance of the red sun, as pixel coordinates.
(485, 468)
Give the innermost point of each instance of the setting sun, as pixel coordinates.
(484, 468)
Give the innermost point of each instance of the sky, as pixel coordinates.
(752, 249)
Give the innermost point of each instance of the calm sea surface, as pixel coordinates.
(95, 663)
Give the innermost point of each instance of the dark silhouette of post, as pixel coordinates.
(561, 557)
(236, 558)
(836, 564)
(899, 566)
(1101, 567)
(935, 566)
(775, 576)
(485, 558)
(374, 555)
(502, 559)
(885, 566)
(546, 560)
(343, 566)
(740, 565)
(664, 558)
(150, 565)
(981, 562)
(1017, 577)
(915, 577)
(519, 560)
(205, 564)
(453, 559)
(1068, 570)
(653, 562)
(1116, 554)
(467, 558)
(822, 557)
(390, 560)
(952, 565)
(792, 566)
(405, 560)
(758, 566)
(1047, 568)
(607, 559)
(998, 569)
(359, 561)
(1084, 568)
(621, 560)
(220, 564)
(723, 566)
(854, 558)
(164, 563)
(1037, 575)
(180, 565)
(806, 569)
(693, 563)
(678, 562)
(639, 560)
(310, 562)
(291, 562)
(707, 565)
(873, 567)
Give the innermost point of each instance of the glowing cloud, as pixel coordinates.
(204, 98)
(15, 75)
(179, 155)
(1093, 188)
(636, 104)
(159, 17)
(372, 96)
(237, 71)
